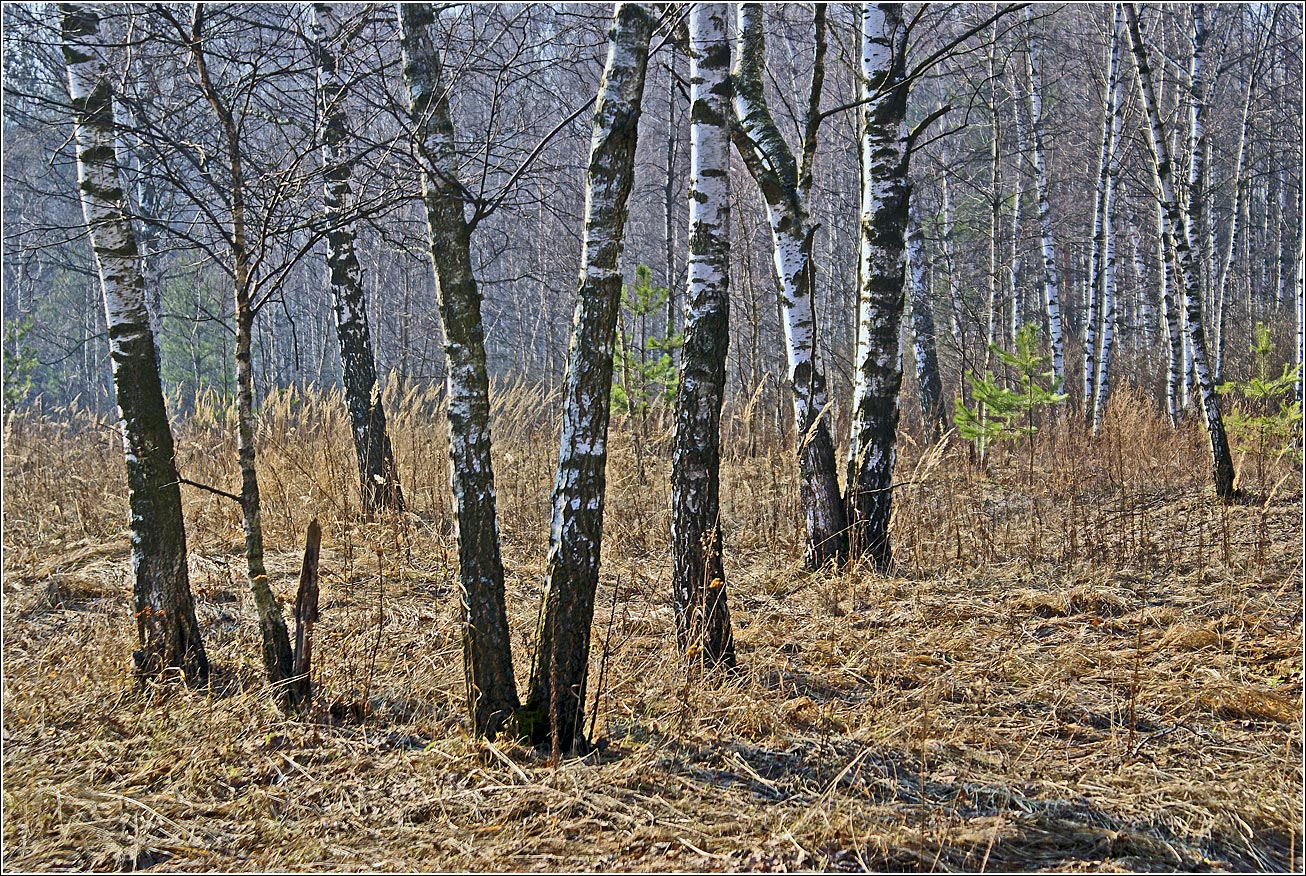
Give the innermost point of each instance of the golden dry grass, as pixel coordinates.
(1095, 666)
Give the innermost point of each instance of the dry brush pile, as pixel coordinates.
(1089, 664)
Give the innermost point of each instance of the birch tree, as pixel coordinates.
(1178, 232)
(885, 191)
(377, 477)
(1100, 259)
(487, 655)
(1105, 269)
(166, 627)
(785, 185)
(1176, 386)
(555, 703)
(1236, 225)
(277, 654)
(1052, 293)
(698, 576)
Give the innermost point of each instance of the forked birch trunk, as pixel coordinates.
(556, 700)
(697, 575)
(1179, 229)
(491, 687)
(885, 193)
(166, 628)
(772, 165)
(377, 477)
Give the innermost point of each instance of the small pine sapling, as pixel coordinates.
(1268, 422)
(1009, 414)
(648, 368)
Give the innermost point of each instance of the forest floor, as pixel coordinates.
(1081, 663)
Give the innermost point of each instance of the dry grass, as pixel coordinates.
(1102, 671)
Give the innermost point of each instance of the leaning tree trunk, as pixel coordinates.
(487, 655)
(885, 192)
(168, 633)
(1052, 295)
(934, 416)
(697, 574)
(773, 167)
(1179, 230)
(278, 658)
(555, 704)
(377, 477)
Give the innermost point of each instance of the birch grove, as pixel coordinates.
(770, 206)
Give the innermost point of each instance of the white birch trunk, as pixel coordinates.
(1179, 229)
(698, 575)
(1107, 278)
(1235, 227)
(378, 480)
(164, 611)
(489, 682)
(772, 165)
(1101, 220)
(885, 192)
(559, 669)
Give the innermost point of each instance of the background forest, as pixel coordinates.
(1082, 651)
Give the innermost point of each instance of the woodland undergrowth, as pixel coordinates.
(1082, 660)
